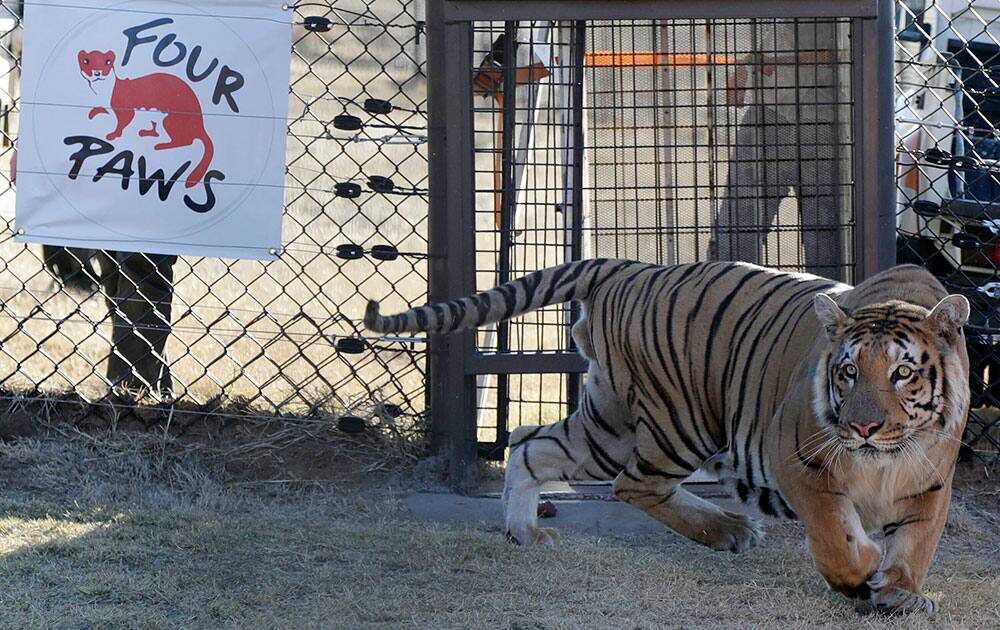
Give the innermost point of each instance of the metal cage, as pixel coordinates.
(662, 131)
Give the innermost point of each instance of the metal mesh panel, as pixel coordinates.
(662, 141)
(948, 145)
(268, 338)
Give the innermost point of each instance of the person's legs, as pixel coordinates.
(75, 268)
(139, 292)
(819, 197)
(754, 189)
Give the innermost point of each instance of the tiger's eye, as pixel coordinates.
(850, 370)
(902, 372)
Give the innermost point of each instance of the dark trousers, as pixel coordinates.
(139, 289)
(774, 158)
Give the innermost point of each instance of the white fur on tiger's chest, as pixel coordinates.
(876, 489)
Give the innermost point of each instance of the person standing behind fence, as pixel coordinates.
(138, 289)
(788, 142)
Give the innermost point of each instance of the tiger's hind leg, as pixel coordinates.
(654, 485)
(593, 443)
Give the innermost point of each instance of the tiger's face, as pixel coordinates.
(883, 387)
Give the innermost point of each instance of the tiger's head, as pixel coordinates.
(890, 377)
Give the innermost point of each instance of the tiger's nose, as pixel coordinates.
(864, 430)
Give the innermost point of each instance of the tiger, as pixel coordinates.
(839, 406)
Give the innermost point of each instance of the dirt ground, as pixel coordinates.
(125, 530)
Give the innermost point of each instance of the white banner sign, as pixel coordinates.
(154, 126)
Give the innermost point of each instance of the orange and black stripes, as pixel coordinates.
(689, 361)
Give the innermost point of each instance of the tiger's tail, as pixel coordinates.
(554, 285)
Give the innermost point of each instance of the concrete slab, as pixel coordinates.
(698, 479)
(586, 516)
(586, 512)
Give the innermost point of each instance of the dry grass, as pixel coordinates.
(139, 531)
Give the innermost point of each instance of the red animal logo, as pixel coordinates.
(170, 95)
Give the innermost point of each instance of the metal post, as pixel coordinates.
(579, 49)
(496, 10)
(874, 156)
(508, 198)
(451, 237)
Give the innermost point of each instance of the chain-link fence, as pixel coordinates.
(283, 337)
(274, 338)
(948, 168)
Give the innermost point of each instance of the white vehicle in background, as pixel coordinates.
(948, 139)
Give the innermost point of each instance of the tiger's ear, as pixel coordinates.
(831, 316)
(950, 314)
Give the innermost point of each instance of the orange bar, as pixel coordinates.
(609, 59)
(490, 80)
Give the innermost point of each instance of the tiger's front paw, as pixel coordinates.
(889, 597)
(731, 531)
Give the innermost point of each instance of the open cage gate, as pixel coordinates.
(666, 132)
